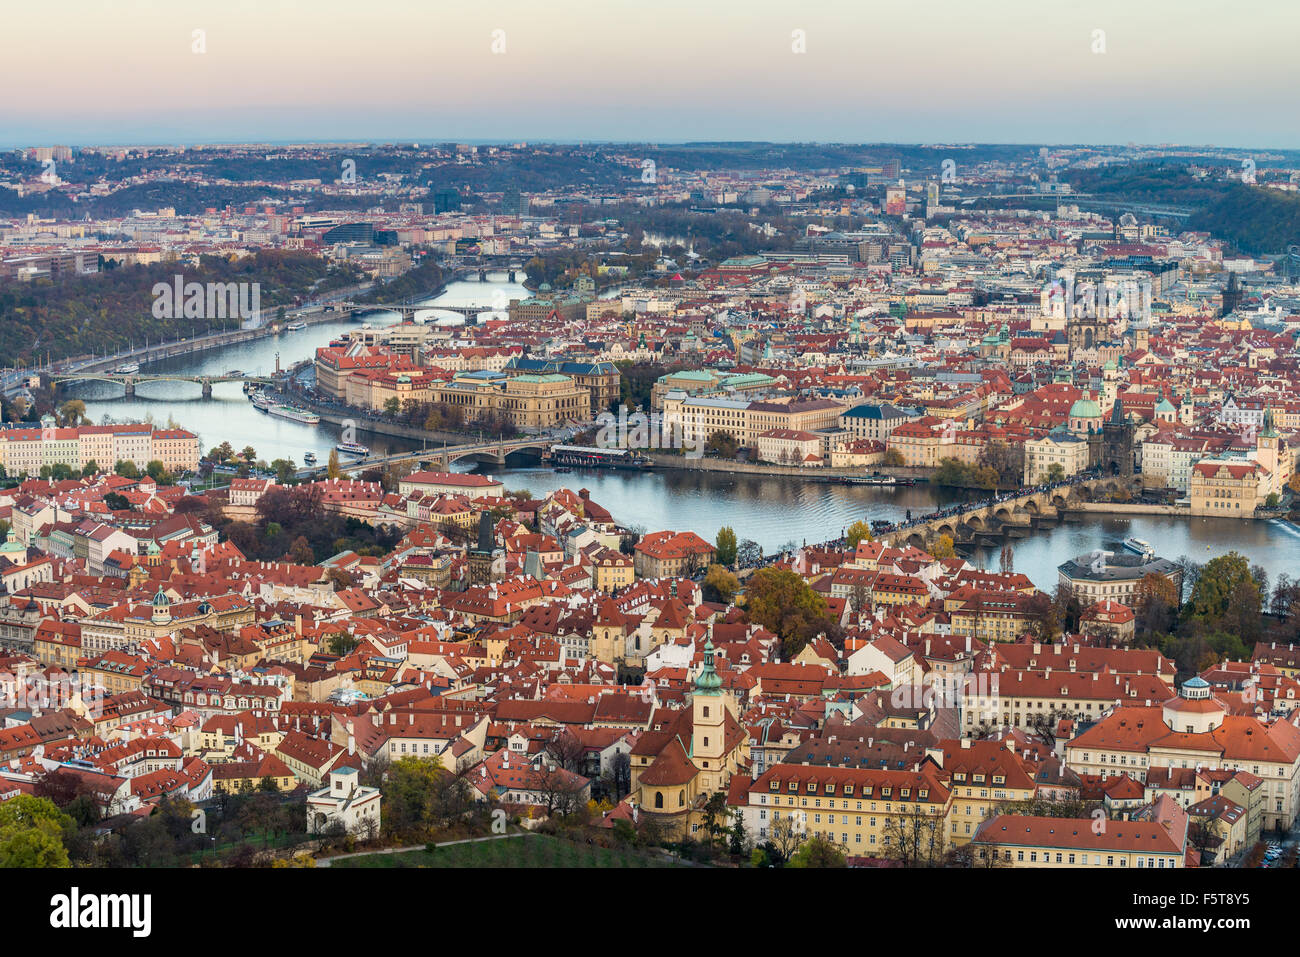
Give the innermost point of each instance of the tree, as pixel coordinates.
(893, 457)
(943, 547)
(116, 502)
(392, 406)
(32, 833)
(1217, 584)
(127, 469)
(748, 553)
(725, 553)
(1007, 560)
(90, 468)
(158, 472)
(73, 412)
(721, 444)
(1157, 604)
(300, 552)
(859, 531)
(332, 470)
(781, 601)
(1055, 473)
(284, 470)
(914, 837)
(818, 852)
(248, 454)
(722, 583)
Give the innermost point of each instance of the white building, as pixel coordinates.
(343, 800)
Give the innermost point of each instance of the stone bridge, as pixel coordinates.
(1012, 516)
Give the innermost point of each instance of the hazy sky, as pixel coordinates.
(124, 71)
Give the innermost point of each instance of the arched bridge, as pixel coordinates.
(130, 380)
(1012, 514)
(487, 453)
(407, 310)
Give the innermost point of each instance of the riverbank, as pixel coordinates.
(684, 464)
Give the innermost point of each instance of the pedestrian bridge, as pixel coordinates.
(1012, 514)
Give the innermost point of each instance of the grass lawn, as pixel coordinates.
(537, 850)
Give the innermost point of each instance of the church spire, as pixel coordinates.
(708, 682)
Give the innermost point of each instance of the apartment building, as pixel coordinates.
(869, 812)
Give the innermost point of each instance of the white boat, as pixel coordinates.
(295, 326)
(1139, 546)
(294, 414)
(310, 458)
(129, 368)
(260, 401)
(352, 448)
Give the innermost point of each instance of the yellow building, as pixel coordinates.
(1019, 840)
(867, 812)
(1227, 488)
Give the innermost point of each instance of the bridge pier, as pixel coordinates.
(511, 274)
(482, 275)
(207, 388)
(130, 388)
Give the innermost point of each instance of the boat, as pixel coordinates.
(260, 401)
(294, 414)
(310, 458)
(129, 368)
(873, 479)
(295, 326)
(1139, 546)
(352, 448)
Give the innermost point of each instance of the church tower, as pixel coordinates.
(709, 725)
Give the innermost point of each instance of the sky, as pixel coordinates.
(1000, 71)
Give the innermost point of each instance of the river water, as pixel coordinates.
(772, 511)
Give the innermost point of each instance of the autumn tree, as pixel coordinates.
(858, 532)
(721, 583)
(943, 547)
(781, 601)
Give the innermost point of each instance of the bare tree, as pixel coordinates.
(915, 837)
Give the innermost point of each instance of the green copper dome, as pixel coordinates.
(1085, 409)
(708, 681)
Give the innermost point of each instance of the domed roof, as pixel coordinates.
(1085, 409)
(160, 599)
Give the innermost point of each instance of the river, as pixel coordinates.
(774, 512)
(771, 511)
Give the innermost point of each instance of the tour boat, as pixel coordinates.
(294, 414)
(260, 401)
(129, 368)
(310, 458)
(351, 448)
(1138, 545)
(295, 326)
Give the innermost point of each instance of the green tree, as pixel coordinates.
(1218, 579)
(127, 469)
(284, 470)
(91, 468)
(32, 833)
(158, 472)
(392, 406)
(818, 852)
(725, 553)
(859, 531)
(781, 601)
